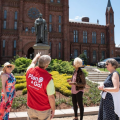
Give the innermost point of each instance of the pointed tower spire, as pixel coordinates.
(109, 4)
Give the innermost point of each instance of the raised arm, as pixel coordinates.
(34, 61)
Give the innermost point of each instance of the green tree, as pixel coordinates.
(83, 57)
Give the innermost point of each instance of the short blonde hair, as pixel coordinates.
(113, 62)
(78, 62)
(44, 60)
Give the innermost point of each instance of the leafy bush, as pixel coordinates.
(20, 86)
(21, 64)
(62, 66)
(24, 91)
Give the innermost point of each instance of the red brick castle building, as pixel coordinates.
(67, 39)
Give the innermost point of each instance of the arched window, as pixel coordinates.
(33, 29)
(85, 53)
(75, 53)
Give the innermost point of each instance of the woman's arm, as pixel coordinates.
(115, 80)
(4, 78)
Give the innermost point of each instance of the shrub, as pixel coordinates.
(24, 91)
(21, 64)
(20, 86)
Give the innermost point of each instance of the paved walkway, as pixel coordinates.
(92, 117)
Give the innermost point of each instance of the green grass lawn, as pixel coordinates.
(102, 69)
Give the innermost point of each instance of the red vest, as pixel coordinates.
(37, 81)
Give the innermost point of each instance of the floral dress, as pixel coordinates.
(106, 109)
(10, 91)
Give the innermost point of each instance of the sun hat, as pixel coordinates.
(7, 64)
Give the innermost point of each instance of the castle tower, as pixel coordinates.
(110, 30)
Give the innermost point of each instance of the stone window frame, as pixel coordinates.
(94, 37)
(85, 37)
(75, 36)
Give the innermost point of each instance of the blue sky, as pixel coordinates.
(95, 9)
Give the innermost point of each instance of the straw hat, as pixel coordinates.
(8, 64)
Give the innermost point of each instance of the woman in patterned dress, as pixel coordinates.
(111, 84)
(8, 90)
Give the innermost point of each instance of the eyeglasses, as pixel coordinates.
(9, 66)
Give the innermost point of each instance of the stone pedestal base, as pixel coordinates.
(43, 48)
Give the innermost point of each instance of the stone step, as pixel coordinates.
(97, 80)
(90, 77)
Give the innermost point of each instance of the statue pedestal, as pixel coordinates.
(43, 48)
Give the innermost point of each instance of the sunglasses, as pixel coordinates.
(9, 66)
(106, 64)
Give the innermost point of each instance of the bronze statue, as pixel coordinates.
(41, 30)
